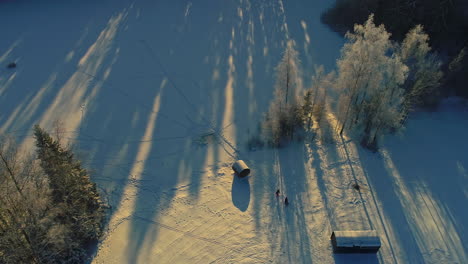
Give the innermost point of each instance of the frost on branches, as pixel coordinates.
(379, 81)
(284, 116)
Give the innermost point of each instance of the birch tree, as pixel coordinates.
(284, 113)
(288, 83)
(360, 69)
(425, 73)
(316, 96)
(370, 76)
(24, 200)
(383, 109)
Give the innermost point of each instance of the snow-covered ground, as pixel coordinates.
(161, 96)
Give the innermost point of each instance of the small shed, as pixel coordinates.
(241, 168)
(367, 241)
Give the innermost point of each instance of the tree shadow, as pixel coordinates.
(112, 131)
(240, 192)
(293, 184)
(336, 172)
(420, 189)
(164, 176)
(317, 164)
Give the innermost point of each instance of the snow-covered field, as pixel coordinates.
(161, 97)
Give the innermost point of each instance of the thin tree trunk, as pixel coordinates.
(287, 78)
(10, 172)
(353, 92)
(313, 104)
(360, 104)
(345, 119)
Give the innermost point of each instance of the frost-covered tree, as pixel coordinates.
(316, 96)
(24, 200)
(285, 113)
(368, 71)
(424, 67)
(384, 107)
(49, 209)
(288, 83)
(359, 69)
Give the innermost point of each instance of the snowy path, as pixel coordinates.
(160, 98)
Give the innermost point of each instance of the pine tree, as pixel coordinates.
(72, 189)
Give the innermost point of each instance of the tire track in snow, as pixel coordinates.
(201, 238)
(375, 224)
(347, 160)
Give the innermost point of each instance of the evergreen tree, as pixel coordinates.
(72, 189)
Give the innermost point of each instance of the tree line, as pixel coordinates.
(378, 82)
(50, 210)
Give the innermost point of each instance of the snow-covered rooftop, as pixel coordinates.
(368, 238)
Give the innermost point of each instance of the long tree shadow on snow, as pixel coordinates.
(188, 97)
(123, 132)
(335, 171)
(425, 171)
(292, 182)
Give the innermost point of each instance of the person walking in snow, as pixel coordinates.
(286, 202)
(277, 193)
